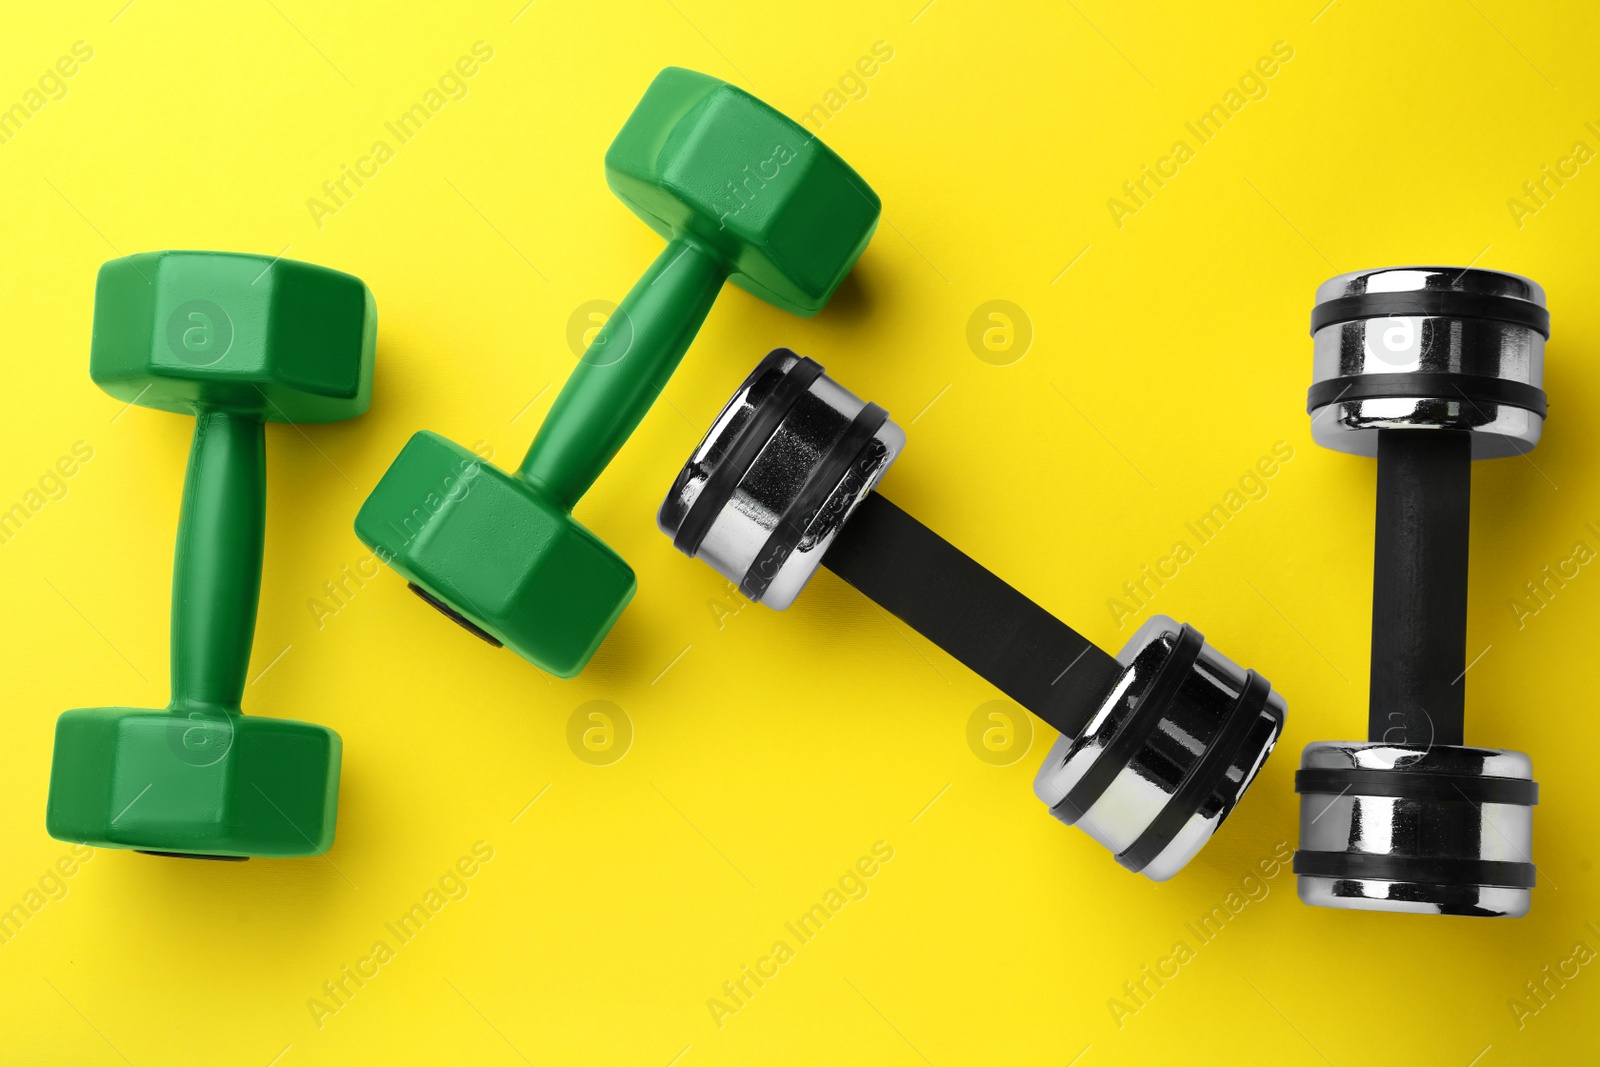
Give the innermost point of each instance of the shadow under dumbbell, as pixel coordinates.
(453, 615)
(852, 301)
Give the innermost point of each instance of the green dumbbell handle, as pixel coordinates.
(602, 402)
(216, 574)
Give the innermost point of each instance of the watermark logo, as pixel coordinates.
(1397, 342)
(50, 887)
(200, 737)
(1539, 190)
(199, 332)
(1138, 192)
(599, 733)
(999, 733)
(50, 87)
(1540, 991)
(1251, 487)
(852, 86)
(451, 887)
(852, 886)
(752, 181)
(1253, 887)
(599, 333)
(452, 85)
(1539, 592)
(999, 332)
(51, 486)
(1399, 732)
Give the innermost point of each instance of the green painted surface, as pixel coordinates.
(741, 193)
(236, 340)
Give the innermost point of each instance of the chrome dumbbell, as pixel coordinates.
(1427, 369)
(1158, 743)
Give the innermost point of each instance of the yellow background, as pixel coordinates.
(770, 751)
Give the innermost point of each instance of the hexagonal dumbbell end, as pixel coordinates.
(741, 192)
(236, 340)
(699, 157)
(197, 782)
(277, 339)
(1157, 744)
(489, 550)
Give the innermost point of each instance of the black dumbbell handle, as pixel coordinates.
(1419, 587)
(1030, 655)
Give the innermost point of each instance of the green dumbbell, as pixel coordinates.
(741, 193)
(236, 341)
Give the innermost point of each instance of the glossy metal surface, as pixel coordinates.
(1403, 827)
(800, 444)
(1428, 344)
(1190, 723)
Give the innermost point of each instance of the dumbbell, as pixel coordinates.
(1157, 744)
(237, 341)
(1426, 369)
(741, 193)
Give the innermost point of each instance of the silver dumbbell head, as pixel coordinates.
(1429, 348)
(1446, 830)
(1173, 745)
(779, 472)
(1171, 750)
